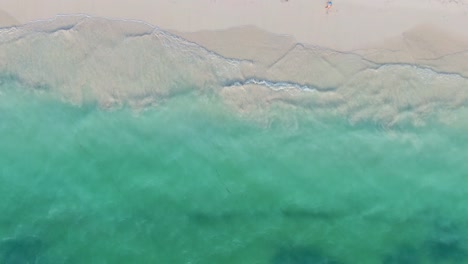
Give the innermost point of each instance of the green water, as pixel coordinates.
(191, 181)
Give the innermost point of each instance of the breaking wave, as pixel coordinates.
(120, 62)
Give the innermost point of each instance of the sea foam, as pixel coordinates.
(120, 62)
(350, 162)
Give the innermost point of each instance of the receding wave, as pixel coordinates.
(116, 62)
(316, 156)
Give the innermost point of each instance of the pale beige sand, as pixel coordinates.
(247, 42)
(387, 62)
(384, 31)
(7, 20)
(351, 24)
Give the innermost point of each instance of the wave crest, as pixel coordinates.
(115, 62)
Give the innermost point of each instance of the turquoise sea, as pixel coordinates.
(191, 181)
(130, 145)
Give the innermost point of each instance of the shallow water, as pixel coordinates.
(136, 146)
(193, 181)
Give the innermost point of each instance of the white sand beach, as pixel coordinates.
(264, 29)
(293, 43)
(349, 25)
(233, 131)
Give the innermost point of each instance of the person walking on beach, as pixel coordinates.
(329, 5)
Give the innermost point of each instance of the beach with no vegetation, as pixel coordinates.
(247, 131)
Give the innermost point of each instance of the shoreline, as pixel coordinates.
(80, 57)
(426, 45)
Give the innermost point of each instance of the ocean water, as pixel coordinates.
(192, 181)
(171, 155)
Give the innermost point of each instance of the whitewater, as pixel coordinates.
(123, 143)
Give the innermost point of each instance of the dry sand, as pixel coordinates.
(350, 24)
